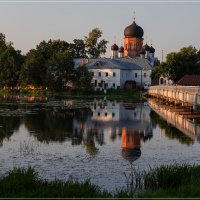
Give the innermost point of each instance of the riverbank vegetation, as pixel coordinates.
(26, 183)
(178, 64)
(172, 181)
(50, 66)
(111, 94)
(162, 182)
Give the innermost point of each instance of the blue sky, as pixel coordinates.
(170, 25)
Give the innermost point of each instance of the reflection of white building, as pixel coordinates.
(105, 111)
(113, 116)
(126, 120)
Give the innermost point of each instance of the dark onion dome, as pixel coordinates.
(131, 154)
(133, 30)
(142, 51)
(152, 50)
(146, 47)
(121, 49)
(114, 47)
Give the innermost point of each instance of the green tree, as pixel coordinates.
(10, 63)
(60, 70)
(83, 78)
(178, 64)
(47, 60)
(79, 48)
(33, 71)
(3, 45)
(94, 47)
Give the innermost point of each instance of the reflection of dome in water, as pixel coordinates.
(131, 154)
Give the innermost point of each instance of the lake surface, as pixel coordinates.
(95, 139)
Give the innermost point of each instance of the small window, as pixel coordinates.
(113, 84)
(106, 73)
(137, 46)
(106, 114)
(114, 74)
(135, 75)
(99, 73)
(145, 75)
(98, 113)
(113, 114)
(95, 83)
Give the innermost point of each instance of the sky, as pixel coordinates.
(168, 25)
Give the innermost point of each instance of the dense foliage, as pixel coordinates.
(179, 64)
(180, 181)
(10, 63)
(25, 183)
(94, 47)
(169, 181)
(50, 64)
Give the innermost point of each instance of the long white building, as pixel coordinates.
(119, 72)
(129, 66)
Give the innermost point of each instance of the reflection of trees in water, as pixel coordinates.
(170, 131)
(58, 125)
(85, 134)
(89, 142)
(50, 125)
(8, 126)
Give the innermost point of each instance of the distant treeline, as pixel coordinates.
(50, 65)
(178, 64)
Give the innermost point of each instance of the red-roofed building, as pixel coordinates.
(189, 80)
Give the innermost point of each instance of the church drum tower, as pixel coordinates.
(133, 40)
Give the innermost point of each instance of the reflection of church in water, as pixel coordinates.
(129, 122)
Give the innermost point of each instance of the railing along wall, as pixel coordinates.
(179, 94)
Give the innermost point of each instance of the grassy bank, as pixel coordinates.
(172, 181)
(21, 183)
(162, 182)
(121, 94)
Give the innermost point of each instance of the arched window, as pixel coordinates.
(137, 46)
(161, 81)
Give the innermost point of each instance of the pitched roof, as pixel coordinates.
(120, 63)
(190, 80)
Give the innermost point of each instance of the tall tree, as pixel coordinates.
(79, 48)
(178, 64)
(83, 77)
(94, 47)
(10, 63)
(3, 45)
(33, 71)
(59, 71)
(44, 66)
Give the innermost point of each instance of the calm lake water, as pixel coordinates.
(95, 139)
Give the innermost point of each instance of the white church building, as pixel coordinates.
(119, 72)
(129, 66)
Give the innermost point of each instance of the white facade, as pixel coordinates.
(116, 78)
(164, 80)
(106, 78)
(139, 76)
(114, 73)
